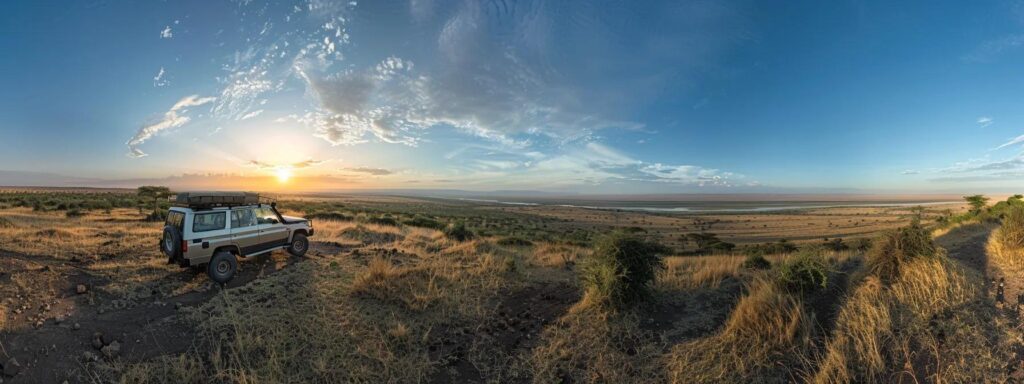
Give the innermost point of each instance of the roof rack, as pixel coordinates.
(200, 200)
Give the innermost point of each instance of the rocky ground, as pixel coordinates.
(54, 335)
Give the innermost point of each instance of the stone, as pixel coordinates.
(111, 350)
(107, 339)
(11, 367)
(81, 288)
(76, 326)
(97, 340)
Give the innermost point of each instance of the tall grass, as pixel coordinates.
(765, 340)
(928, 325)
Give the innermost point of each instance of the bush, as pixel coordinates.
(836, 245)
(756, 262)
(620, 271)
(891, 250)
(333, 216)
(861, 244)
(74, 212)
(805, 272)
(4, 223)
(513, 241)
(458, 232)
(423, 222)
(382, 221)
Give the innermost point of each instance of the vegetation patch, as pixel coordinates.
(756, 262)
(513, 241)
(895, 248)
(621, 269)
(367, 235)
(806, 272)
(458, 232)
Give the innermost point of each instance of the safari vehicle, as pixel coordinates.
(212, 229)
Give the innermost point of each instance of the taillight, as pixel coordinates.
(184, 246)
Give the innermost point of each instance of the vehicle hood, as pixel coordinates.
(293, 219)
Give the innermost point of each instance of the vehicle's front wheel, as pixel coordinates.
(222, 267)
(300, 244)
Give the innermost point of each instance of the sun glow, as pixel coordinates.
(283, 174)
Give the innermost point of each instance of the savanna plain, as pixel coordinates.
(408, 289)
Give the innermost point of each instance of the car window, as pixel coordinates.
(243, 218)
(208, 222)
(266, 215)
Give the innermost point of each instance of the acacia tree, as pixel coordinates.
(977, 203)
(156, 193)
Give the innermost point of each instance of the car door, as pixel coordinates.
(245, 232)
(273, 233)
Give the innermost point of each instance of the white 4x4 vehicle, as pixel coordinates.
(213, 228)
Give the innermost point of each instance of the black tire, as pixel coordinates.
(299, 245)
(170, 244)
(222, 267)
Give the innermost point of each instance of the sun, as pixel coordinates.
(283, 174)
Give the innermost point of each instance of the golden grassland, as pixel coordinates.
(382, 303)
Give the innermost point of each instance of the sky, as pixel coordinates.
(563, 96)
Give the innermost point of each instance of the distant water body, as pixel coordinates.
(710, 206)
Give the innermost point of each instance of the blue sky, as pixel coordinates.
(580, 96)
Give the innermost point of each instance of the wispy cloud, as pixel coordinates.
(909, 172)
(984, 121)
(298, 165)
(368, 171)
(1013, 141)
(159, 80)
(166, 33)
(175, 117)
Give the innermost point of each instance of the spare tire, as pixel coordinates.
(171, 243)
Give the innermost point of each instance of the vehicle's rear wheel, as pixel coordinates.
(222, 267)
(299, 245)
(170, 244)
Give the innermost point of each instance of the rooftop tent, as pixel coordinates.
(216, 199)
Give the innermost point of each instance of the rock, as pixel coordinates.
(11, 367)
(177, 305)
(97, 340)
(106, 339)
(81, 288)
(111, 350)
(58, 320)
(76, 326)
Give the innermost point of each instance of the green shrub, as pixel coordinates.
(333, 216)
(862, 244)
(458, 232)
(836, 245)
(423, 222)
(513, 241)
(893, 249)
(804, 272)
(756, 262)
(621, 269)
(74, 212)
(385, 220)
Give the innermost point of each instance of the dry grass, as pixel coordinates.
(927, 326)
(765, 339)
(1006, 245)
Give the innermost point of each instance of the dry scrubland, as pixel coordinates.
(377, 302)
